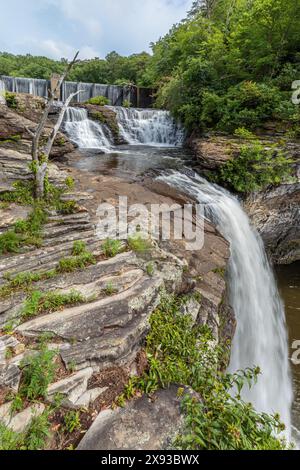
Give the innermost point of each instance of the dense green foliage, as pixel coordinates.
(114, 69)
(230, 65)
(181, 353)
(255, 168)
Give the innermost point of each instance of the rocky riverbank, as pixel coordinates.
(74, 302)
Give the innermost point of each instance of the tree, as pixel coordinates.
(40, 154)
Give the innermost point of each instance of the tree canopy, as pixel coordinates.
(228, 64)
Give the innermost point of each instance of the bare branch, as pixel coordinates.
(49, 145)
(63, 77)
(42, 123)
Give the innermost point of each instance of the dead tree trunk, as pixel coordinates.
(40, 155)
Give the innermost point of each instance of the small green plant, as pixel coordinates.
(72, 421)
(38, 432)
(38, 302)
(69, 182)
(111, 247)
(33, 438)
(68, 265)
(9, 242)
(126, 104)
(150, 269)
(79, 247)
(244, 134)
(38, 371)
(17, 404)
(139, 244)
(110, 289)
(99, 100)
(9, 440)
(9, 353)
(11, 100)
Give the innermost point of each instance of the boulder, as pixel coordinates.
(147, 423)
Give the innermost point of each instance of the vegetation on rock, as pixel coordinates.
(181, 353)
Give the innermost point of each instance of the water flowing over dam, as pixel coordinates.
(137, 126)
(117, 95)
(261, 335)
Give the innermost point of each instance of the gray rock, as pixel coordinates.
(191, 307)
(144, 424)
(71, 388)
(19, 422)
(90, 396)
(10, 376)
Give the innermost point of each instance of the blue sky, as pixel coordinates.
(56, 28)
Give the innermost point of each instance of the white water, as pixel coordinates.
(149, 127)
(85, 132)
(260, 338)
(2, 92)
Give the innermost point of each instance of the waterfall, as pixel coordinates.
(33, 86)
(260, 338)
(85, 132)
(38, 87)
(2, 92)
(149, 127)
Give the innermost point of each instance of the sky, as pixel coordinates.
(57, 28)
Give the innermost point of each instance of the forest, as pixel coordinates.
(228, 64)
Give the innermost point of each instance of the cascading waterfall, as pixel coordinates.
(149, 127)
(85, 132)
(260, 338)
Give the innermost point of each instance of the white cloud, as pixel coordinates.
(95, 27)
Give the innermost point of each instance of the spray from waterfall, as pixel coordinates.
(260, 338)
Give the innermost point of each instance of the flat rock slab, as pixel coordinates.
(144, 424)
(72, 388)
(20, 421)
(10, 376)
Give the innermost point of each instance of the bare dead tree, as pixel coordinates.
(40, 154)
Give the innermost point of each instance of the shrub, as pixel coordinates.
(9, 242)
(38, 371)
(99, 100)
(126, 104)
(139, 244)
(111, 247)
(37, 432)
(255, 168)
(11, 100)
(72, 421)
(79, 247)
